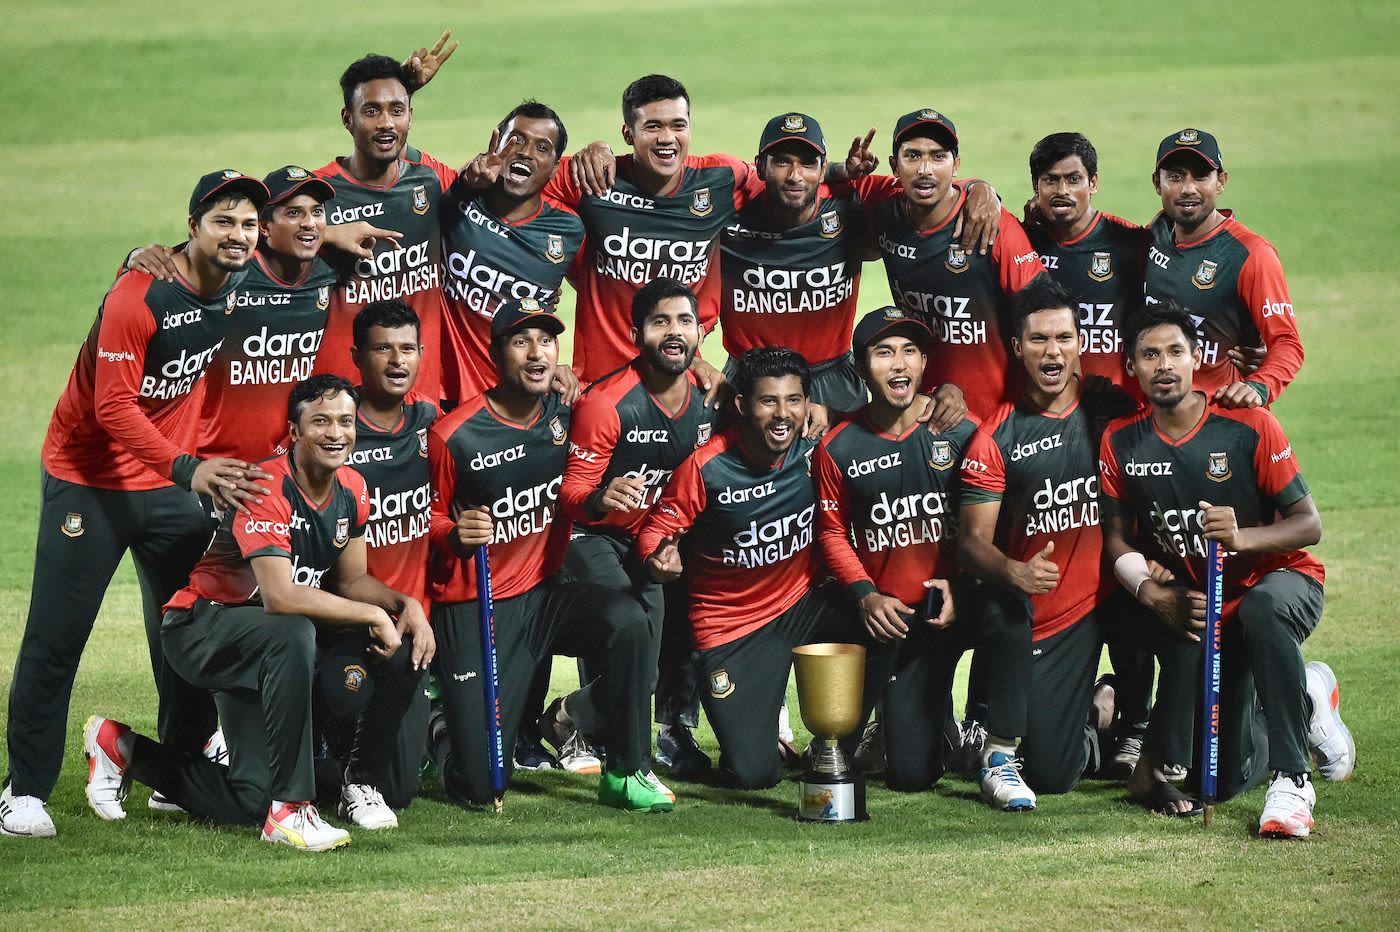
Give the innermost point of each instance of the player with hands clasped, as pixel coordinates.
(245, 628)
(1190, 469)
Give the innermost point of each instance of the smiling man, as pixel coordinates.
(245, 628)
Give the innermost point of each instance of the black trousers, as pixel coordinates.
(560, 616)
(1264, 707)
(83, 534)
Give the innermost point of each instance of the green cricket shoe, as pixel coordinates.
(632, 792)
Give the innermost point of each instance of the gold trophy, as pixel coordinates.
(830, 680)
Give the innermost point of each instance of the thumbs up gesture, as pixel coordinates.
(1038, 575)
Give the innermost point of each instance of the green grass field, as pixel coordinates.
(114, 111)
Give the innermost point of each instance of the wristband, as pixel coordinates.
(1131, 570)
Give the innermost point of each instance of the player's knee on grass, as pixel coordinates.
(752, 773)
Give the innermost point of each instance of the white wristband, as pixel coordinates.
(1131, 570)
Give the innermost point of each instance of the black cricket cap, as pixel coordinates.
(887, 320)
(1197, 141)
(519, 313)
(943, 128)
(797, 126)
(290, 180)
(226, 181)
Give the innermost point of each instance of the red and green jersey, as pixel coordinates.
(1237, 457)
(1232, 283)
(1104, 268)
(963, 296)
(394, 464)
(409, 268)
(271, 344)
(889, 505)
(478, 458)
(634, 237)
(795, 288)
(747, 550)
(286, 523)
(620, 429)
(130, 407)
(1043, 471)
(486, 261)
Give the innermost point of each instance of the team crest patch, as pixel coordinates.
(1219, 468)
(1189, 137)
(530, 305)
(700, 203)
(230, 174)
(297, 173)
(342, 531)
(1101, 267)
(1205, 275)
(930, 115)
(702, 436)
(941, 456)
(831, 224)
(957, 259)
(557, 433)
(72, 525)
(808, 456)
(323, 297)
(232, 300)
(720, 684)
(355, 676)
(423, 441)
(893, 313)
(554, 248)
(420, 199)
(793, 123)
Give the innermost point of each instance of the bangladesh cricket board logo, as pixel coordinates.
(831, 224)
(793, 123)
(700, 203)
(702, 436)
(720, 684)
(355, 676)
(232, 300)
(72, 525)
(420, 200)
(1219, 468)
(423, 442)
(941, 456)
(554, 248)
(957, 259)
(323, 297)
(342, 531)
(1101, 267)
(1189, 137)
(1205, 275)
(557, 433)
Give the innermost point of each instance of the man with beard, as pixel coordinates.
(245, 628)
(631, 430)
(119, 465)
(503, 241)
(497, 464)
(1228, 277)
(746, 507)
(1029, 507)
(1175, 476)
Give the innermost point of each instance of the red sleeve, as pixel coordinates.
(442, 472)
(834, 521)
(360, 489)
(593, 435)
(983, 469)
(126, 330)
(266, 530)
(561, 187)
(1275, 467)
(748, 186)
(677, 510)
(446, 173)
(1110, 483)
(1016, 259)
(875, 189)
(1264, 291)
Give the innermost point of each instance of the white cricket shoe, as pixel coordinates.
(298, 825)
(365, 806)
(1002, 786)
(1288, 807)
(1330, 741)
(107, 784)
(24, 816)
(661, 787)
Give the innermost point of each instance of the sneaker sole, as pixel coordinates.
(157, 805)
(341, 843)
(51, 833)
(1274, 829)
(1334, 696)
(589, 770)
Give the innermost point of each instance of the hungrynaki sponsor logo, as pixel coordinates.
(906, 521)
(772, 542)
(398, 517)
(118, 356)
(639, 259)
(482, 287)
(1064, 506)
(1284, 454)
(523, 512)
(178, 376)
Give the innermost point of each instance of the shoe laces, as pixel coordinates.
(1297, 779)
(974, 734)
(366, 795)
(1130, 746)
(576, 746)
(1008, 772)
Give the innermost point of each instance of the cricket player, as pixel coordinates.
(502, 240)
(1190, 469)
(119, 467)
(1228, 277)
(1029, 530)
(630, 432)
(738, 519)
(246, 626)
(497, 465)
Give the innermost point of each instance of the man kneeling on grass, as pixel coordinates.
(245, 628)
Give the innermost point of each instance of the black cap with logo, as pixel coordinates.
(228, 180)
(1196, 141)
(290, 180)
(943, 129)
(887, 320)
(797, 126)
(519, 313)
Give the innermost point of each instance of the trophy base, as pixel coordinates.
(831, 798)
